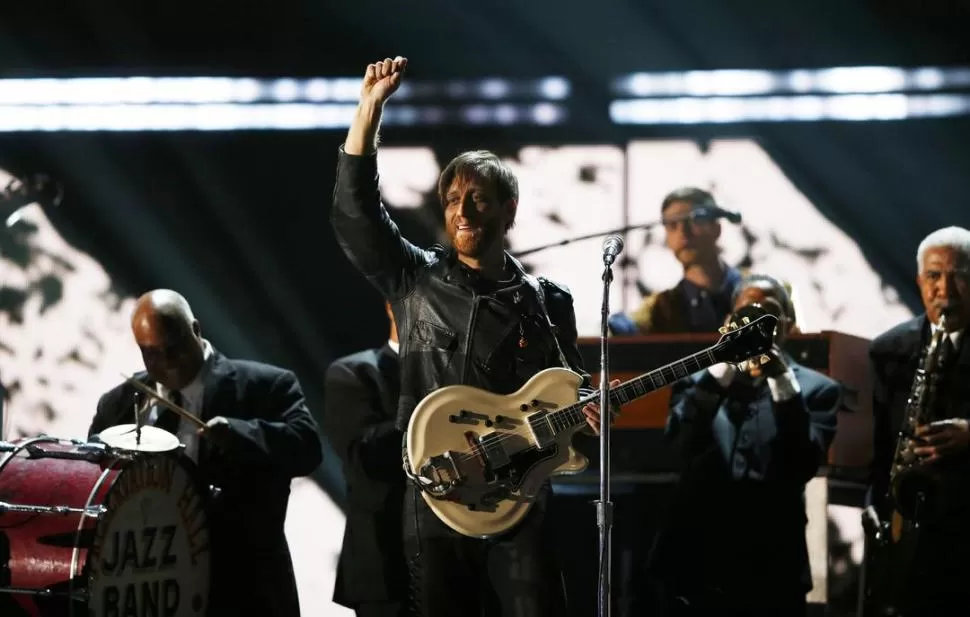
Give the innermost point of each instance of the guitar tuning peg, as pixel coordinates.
(745, 320)
(722, 330)
(764, 359)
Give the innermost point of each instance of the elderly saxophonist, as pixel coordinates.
(930, 544)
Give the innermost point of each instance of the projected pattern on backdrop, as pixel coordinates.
(64, 337)
(567, 191)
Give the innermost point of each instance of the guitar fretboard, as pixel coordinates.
(572, 416)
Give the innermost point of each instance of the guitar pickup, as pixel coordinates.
(491, 450)
(542, 431)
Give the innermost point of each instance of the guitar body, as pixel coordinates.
(480, 458)
(481, 446)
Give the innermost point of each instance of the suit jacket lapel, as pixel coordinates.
(218, 398)
(215, 387)
(911, 343)
(963, 353)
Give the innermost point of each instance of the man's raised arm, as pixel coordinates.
(365, 232)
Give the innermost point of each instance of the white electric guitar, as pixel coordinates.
(480, 458)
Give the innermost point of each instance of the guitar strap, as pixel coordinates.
(541, 296)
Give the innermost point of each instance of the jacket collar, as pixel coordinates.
(457, 273)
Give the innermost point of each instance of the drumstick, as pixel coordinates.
(163, 401)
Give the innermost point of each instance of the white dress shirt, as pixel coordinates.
(191, 402)
(954, 337)
(394, 345)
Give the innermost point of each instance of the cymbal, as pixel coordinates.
(153, 439)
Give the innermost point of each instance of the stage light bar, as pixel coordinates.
(261, 116)
(838, 80)
(208, 90)
(849, 107)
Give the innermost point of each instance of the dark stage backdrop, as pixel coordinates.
(238, 221)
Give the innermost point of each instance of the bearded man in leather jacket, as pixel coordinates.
(467, 314)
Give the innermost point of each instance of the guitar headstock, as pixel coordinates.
(747, 337)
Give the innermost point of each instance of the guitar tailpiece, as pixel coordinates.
(425, 484)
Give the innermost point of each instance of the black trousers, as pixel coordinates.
(381, 609)
(513, 575)
(926, 575)
(667, 601)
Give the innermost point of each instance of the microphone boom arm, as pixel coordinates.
(706, 211)
(569, 241)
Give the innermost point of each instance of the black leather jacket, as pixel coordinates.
(451, 332)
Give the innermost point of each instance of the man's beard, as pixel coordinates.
(477, 244)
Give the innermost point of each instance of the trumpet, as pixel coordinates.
(746, 314)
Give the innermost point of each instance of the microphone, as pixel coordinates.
(711, 211)
(612, 246)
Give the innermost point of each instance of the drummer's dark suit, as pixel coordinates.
(274, 439)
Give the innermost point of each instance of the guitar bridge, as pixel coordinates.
(440, 475)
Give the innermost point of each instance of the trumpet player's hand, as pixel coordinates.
(774, 367)
(592, 412)
(942, 438)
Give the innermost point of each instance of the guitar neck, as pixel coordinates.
(572, 416)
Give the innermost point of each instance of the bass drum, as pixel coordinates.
(87, 530)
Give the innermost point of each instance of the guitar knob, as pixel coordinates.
(722, 329)
(745, 320)
(764, 359)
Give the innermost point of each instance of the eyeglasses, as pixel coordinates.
(688, 218)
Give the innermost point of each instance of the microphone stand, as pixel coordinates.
(568, 241)
(3, 401)
(604, 507)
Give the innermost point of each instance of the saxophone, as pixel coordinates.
(916, 489)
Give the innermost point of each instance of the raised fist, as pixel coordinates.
(382, 79)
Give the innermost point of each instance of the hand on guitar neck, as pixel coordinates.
(480, 458)
(592, 411)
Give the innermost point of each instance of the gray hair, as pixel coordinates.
(956, 238)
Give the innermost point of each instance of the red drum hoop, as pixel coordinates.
(89, 530)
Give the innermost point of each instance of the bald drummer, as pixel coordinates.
(253, 435)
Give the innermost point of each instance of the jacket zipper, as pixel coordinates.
(468, 337)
